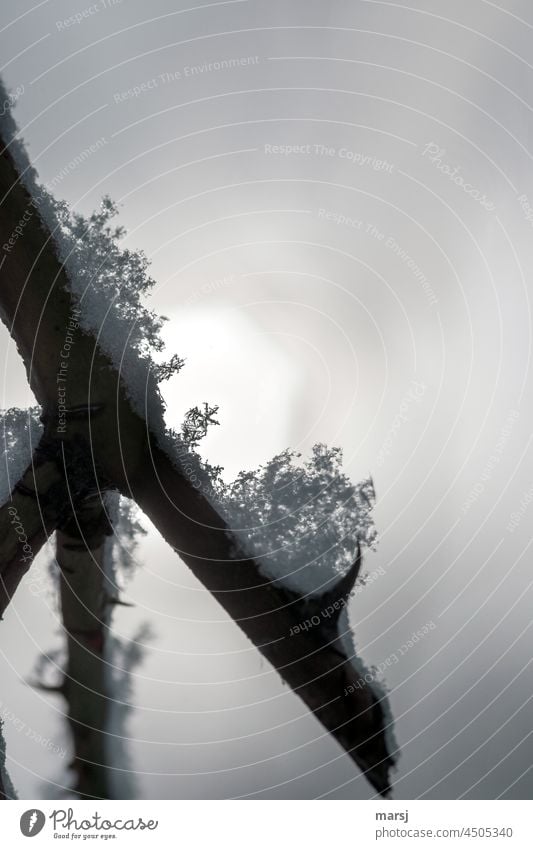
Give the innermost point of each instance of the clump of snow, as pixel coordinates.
(20, 432)
(301, 521)
(369, 677)
(108, 282)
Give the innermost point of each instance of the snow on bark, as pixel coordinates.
(20, 431)
(302, 522)
(6, 785)
(107, 281)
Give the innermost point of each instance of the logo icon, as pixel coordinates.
(32, 822)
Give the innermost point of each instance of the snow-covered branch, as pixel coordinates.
(276, 548)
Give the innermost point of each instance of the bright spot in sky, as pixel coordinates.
(232, 362)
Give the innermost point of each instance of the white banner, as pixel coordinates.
(268, 824)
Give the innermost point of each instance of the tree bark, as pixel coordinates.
(7, 790)
(327, 683)
(26, 522)
(80, 548)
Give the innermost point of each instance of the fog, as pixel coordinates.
(336, 211)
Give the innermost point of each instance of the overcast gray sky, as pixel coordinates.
(334, 197)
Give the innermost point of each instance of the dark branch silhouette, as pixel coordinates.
(106, 444)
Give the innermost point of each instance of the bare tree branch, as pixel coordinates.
(270, 616)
